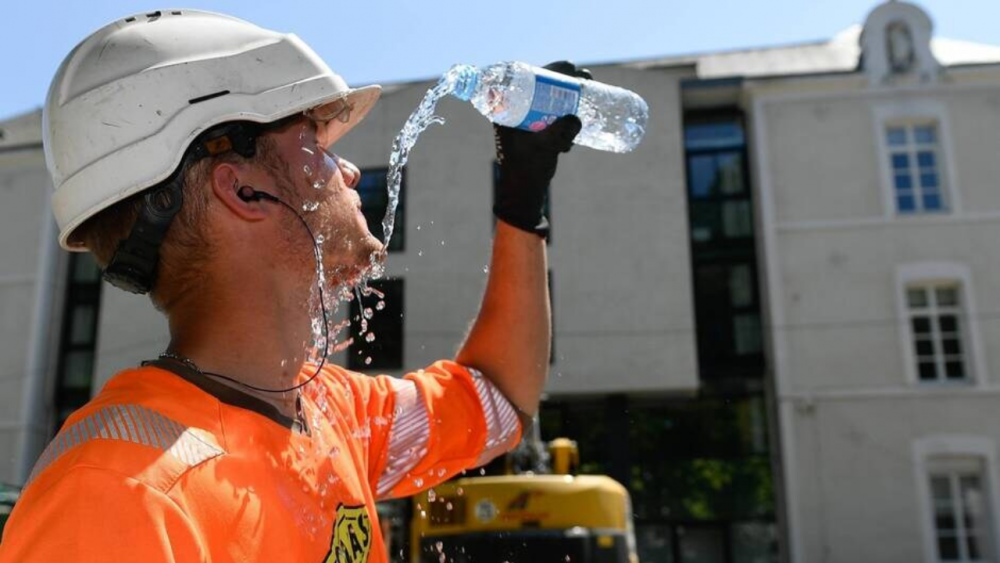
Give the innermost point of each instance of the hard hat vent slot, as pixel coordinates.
(176, 13)
(129, 20)
(153, 16)
(207, 97)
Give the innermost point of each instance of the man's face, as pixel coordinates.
(321, 187)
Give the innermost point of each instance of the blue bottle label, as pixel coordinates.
(553, 99)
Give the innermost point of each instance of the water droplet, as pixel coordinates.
(380, 305)
(431, 495)
(368, 361)
(460, 491)
(442, 558)
(567, 558)
(307, 170)
(318, 185)
(442, 243)
(482, 471)
(310, 206)
(320, 239)
(486, 269)
(418, 227)
(448, 506)
(370, 337)
(306, 150)
(420, 253)
(418, 482)
(439, 546)
(423, 514)
(368, 313)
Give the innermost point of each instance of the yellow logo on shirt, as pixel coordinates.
(352, 536)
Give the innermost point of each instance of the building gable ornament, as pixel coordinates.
(896, 46)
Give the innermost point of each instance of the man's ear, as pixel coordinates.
(225, 179)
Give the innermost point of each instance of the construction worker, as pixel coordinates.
(191, 153)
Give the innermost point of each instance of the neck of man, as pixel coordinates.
(258, 337)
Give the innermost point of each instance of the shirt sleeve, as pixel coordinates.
(432, 424)
(96, 515)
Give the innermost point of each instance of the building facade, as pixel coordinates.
(877, 194)
(772, 320)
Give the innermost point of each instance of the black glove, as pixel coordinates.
(528, 163)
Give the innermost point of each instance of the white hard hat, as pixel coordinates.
(128, 100)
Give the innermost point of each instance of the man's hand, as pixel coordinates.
(528, 163)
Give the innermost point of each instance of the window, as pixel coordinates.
(960, 509)
(723, 252)
(915, 165)
(375, 199)
(714, 448)
(720, 208)
(380, 345)
(935, 312)
(75, 368)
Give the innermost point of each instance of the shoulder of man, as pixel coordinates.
(146, 425)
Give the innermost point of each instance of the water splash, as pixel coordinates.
(418, 121)
(421, 118)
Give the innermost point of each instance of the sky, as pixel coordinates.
(388, 41)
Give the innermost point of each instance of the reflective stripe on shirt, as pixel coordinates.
(501, 419)
(131, 423)
(410, 430)
(408, 437)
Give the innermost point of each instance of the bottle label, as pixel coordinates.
(554, 97)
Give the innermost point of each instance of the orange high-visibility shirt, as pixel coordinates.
(165, 465)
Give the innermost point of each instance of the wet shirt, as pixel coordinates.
(166, 465)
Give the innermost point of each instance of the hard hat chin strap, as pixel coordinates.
(134, 264)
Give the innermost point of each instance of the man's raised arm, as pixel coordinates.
(510, 339)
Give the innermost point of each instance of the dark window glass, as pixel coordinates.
(928, 371)
(374, 202)
(380, 345)
(906, 204)
(724, 264)
(714, 453)
(655, 543)
(728, 328)
(713, 135)
(78, 340)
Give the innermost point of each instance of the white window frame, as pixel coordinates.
(931, 450)
(914, 112)
(930, 273)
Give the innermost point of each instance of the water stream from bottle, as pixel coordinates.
(421, 118)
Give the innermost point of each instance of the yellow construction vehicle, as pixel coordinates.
(555, 518)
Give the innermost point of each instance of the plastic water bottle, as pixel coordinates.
(527, 97)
